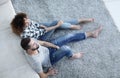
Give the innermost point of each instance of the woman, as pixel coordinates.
(25, 27)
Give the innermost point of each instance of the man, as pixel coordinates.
(42, 54)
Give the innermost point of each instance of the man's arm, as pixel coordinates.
(52, 27)
(48, 44)
(43, 75)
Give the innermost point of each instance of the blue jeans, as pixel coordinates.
(65, 25)
(56, 55)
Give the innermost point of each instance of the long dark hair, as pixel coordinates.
(18, 23)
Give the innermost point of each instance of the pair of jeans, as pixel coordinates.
(65, 25)
(56, 55)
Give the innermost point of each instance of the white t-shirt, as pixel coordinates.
(39, 60)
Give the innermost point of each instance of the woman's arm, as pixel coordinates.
(52, 27)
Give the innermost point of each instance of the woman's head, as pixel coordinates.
(18, 23)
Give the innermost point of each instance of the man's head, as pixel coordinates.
(29, 44)
(18, 23)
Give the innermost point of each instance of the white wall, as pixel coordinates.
(3, 2)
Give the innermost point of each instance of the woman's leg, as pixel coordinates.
(83, 20)
(73, 24)
(48, 34)
(66, 25)
(49, 24)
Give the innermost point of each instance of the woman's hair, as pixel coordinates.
(18, 23)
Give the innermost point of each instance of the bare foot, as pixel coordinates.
(77, 55)
(96, 32)
(90, 20)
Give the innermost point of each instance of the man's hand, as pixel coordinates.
(52, 71)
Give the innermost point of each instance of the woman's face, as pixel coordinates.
(26, 21)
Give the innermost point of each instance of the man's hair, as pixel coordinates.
(25, 43)
(18, 23)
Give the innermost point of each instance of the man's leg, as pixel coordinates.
(57, 55)
(75, 37)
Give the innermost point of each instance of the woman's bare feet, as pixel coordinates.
(96, 32)
(86, 20)
(77, 55)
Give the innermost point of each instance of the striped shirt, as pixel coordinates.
(33, 30)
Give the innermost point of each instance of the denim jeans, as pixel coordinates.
(65, 25)
(56, 55)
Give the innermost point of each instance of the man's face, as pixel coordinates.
(33, 45)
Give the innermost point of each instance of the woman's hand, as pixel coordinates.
(59, 23)
(42, 26)
(52, 27)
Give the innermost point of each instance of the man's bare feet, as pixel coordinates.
(77, 55)
(96, 32)
(86, 20)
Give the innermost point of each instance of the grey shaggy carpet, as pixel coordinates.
(101, 55)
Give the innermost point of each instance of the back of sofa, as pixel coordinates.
(13, 63)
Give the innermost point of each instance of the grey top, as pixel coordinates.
(39, 60)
